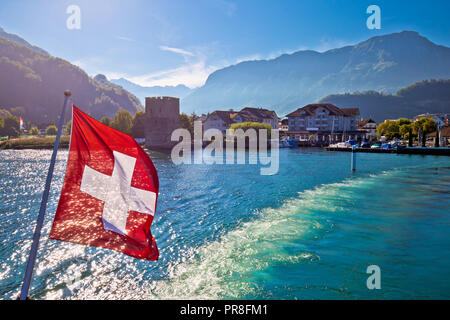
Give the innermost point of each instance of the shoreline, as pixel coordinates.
(34, 143)
(408, 150)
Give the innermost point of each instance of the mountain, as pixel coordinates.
(179, 91)
(19, 40)
(35, 83)
(428, 96)
(383, 63)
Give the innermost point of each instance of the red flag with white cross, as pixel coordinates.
(110, 191)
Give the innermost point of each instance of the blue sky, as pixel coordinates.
(181, 42)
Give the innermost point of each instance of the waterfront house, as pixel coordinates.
(222, 120)
(283, 125)
(368, 128)
(440, 118)
(324, 123)
(444, 136)
(261, 115)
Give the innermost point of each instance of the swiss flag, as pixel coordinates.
(110, 191)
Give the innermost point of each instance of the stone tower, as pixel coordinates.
(163, 117)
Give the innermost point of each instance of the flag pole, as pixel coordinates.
(40, 220)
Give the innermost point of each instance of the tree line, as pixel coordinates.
(404, 128)
(122, 121)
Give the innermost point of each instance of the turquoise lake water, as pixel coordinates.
(225, 231)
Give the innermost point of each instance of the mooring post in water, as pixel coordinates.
(40, 220)
(353, 158)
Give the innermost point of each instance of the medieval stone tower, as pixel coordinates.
(163, 117)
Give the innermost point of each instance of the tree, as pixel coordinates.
(123, 121)
(425, 126)
(34, 131)
(252, 125)
(405, 130)
(11, 126)
(51, 130)
(68, 128)
(389, 129)
(138, 129)
(106, 120)
(2, 125)
(403, 121)
(186, 122)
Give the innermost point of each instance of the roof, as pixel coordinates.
(226, 116)
(259, 112)
(363, 122)
(310, 109)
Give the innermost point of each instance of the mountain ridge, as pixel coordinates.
(35, 84)
(427, 96)
(383, 63)
(15, 38)
(179, 91)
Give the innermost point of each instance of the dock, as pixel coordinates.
(406, 150)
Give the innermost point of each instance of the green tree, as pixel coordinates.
(34, 131)
(2, 125)
(68, 128)
(138, 129)
(425, 125)
(389, 129)
(405, 130)
(51, 130)
(403, 121)
(252, 125)
(11, 126)
(186, 122)
(123, 121)
(106, 120)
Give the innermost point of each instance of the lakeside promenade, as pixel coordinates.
(407, 150)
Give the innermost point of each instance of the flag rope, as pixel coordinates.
(40, 220)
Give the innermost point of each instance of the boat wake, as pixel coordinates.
(231, 266)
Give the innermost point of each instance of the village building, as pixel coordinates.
(324, 123)
(441, 119)
(283, 126)
(222, 120)
(368, 128)
(444, 136)
(261, 115)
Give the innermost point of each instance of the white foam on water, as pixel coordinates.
(224, 268)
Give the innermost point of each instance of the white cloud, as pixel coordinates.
(192, 75)
(125, 39)
(176, 50)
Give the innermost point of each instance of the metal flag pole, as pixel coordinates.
(40, 220)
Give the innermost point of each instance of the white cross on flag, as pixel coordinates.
(110, 191)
